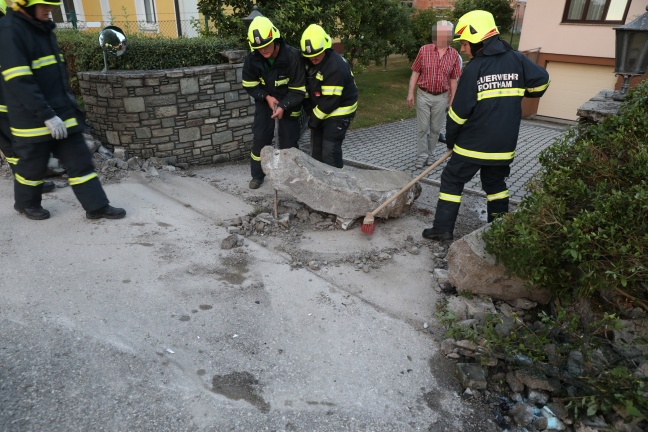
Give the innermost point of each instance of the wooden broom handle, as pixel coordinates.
(445, 156)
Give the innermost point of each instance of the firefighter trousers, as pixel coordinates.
(263, 131)
(455, 175)
(6, 146)
(327, 139)
(74, 155)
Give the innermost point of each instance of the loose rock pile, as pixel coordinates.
(531, 396)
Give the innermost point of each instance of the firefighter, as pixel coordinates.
(332, 95)
(43, 114)
(5, 134)
(483, 122)
(274, 76)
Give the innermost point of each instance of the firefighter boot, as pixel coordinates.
(36, 213)
(108, 212)
(444, 221)
(48, 186)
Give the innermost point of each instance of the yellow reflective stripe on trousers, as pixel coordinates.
(73, 181)
(539, 88)
(3, 108)
(295, 114)
(453, 115)
(43, 61)
(332, 90)
(250, 83)
(449, 197)
(255, 158)
(487, 94)
(27, 133)
(282, 82)
(12, 161)
(483, 155)
(16, 72)
(22, 180)
(499, 195)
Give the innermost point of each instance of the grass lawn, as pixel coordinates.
(382, 91)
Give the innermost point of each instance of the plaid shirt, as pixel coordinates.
(435, 71)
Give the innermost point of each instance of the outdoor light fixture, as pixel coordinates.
(631, 56)
(248, 19)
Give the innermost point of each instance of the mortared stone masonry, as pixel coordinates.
(201, 115)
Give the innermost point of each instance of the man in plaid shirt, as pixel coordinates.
(434, 72)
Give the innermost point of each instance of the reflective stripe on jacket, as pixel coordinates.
(484, 121)
(332, 91)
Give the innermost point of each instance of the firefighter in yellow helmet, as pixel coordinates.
(274, 77)
(43, 114)
(483, 122)
(332, 95)
(6, 146)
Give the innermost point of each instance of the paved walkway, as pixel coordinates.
(393, 146)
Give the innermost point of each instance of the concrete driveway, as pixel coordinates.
(146, 324)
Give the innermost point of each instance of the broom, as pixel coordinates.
(368, 226)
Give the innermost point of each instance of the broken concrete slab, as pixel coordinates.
(349, 195)
(471, 268)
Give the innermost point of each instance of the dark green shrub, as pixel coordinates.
(584, 227)
(82, 52)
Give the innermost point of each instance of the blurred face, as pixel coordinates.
(268, 50)
(42, 12)
(465, 48)
(442, 34)
(318, 58)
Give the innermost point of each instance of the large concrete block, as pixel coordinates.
(471, 268)
(349, 194)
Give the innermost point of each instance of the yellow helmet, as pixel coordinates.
(17, 4)
(3, 7)
(475, 26)
(262, 32)
(315, 41)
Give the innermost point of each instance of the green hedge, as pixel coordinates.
(584, 227)
(82, 52)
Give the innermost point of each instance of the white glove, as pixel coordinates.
(56, 127)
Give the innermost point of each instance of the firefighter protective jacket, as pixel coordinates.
(284, 79)
(484, 121)
(332, 91)
(34, 79)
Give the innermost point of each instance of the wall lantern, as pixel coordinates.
(248, 19)
(631, 54)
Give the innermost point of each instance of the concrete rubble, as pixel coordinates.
(346, 194)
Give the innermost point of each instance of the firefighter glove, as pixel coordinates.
(57, 128)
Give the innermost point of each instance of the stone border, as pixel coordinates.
(201, 115)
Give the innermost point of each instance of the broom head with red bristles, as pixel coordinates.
(368, 226)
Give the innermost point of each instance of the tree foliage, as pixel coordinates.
(501, 10)
(368, 29)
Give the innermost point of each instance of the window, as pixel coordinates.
(149, 10)
(66, 13)
(596, 11)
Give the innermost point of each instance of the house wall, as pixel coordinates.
(543, 29)
(201, 115)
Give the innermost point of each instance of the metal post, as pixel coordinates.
(73, 20)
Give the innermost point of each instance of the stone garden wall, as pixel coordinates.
(201, 115)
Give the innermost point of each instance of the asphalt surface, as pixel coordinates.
(147, 324)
